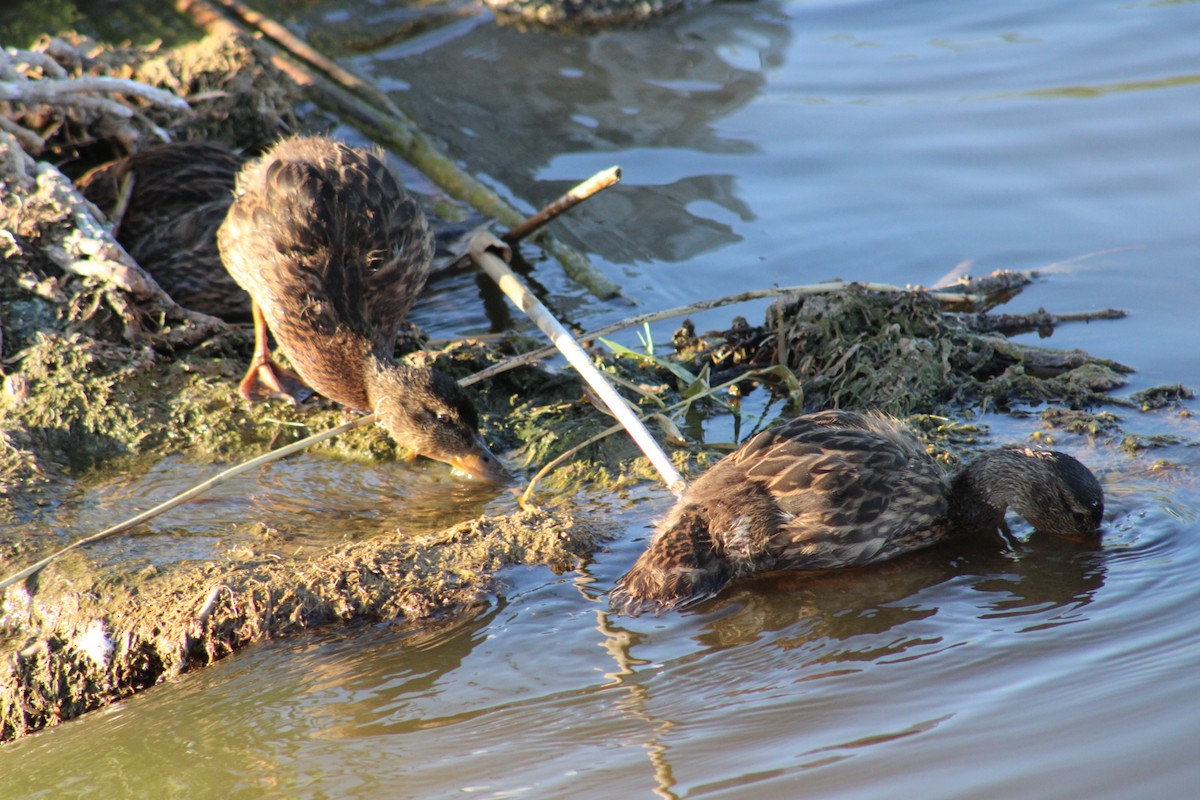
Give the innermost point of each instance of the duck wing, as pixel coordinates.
(848, 492)
(327, 241)
(395, 270)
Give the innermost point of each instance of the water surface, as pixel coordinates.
(764, 143)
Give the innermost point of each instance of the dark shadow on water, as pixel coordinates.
(518, 121)
(1045, 572)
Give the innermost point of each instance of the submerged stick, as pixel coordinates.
(663, 420)
(511, 285)
(179, 499)
(596, 183)
(1040, 320)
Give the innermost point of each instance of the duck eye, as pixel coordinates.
(443, 418)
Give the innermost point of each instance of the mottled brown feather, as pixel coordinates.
(333, 252)
(180, 194)
(331, 247)
(836, 489)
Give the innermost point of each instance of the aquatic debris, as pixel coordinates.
(899, 352)
(1082, 422)
(1159, 397)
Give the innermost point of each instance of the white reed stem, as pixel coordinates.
(512, 286)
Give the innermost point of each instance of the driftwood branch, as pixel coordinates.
(34, 79)
(82, 246)
(87, 248)
(511, 285)
(597, 183)
(66, 91)
(1040, 320)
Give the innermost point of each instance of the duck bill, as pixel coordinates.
(480, 464)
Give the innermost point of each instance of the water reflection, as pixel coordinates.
(796, 627)
(302, 503)
(1047, 576)
(649, 98)
(263, 737)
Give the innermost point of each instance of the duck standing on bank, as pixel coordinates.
(333, 252)
(838, 489)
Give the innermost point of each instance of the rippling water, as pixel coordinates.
(762, 143)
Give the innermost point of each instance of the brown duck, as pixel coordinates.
(333, 252)
(837, 489)
(180, 194)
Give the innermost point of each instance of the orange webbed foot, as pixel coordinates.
(269, 381)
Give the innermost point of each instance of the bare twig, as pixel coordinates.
(185, 496)
(38, 60)
(1040, 320)
(29, 140)
(35, 79)
(596, 183)
(660, 415)
(511, 285)
(65, 91)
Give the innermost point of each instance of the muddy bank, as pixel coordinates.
(104, 372)
(86, 640)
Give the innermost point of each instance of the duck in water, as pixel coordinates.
(839, 489)
(333, 252)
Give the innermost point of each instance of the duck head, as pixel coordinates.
(427, 412)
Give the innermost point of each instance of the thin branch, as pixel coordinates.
(29, 141)
(33, 58)
(597, 183)
(511, 285)
(1041, 320)
(63, 91)
(185, 496)
(548, 468)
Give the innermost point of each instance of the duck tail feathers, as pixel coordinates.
(679, 569)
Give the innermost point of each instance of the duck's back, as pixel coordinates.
(334, 252)
(833, 488)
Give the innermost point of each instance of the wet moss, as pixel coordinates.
(1159, 397)
(1081, 422)
(1133, 444)
(900, 352)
